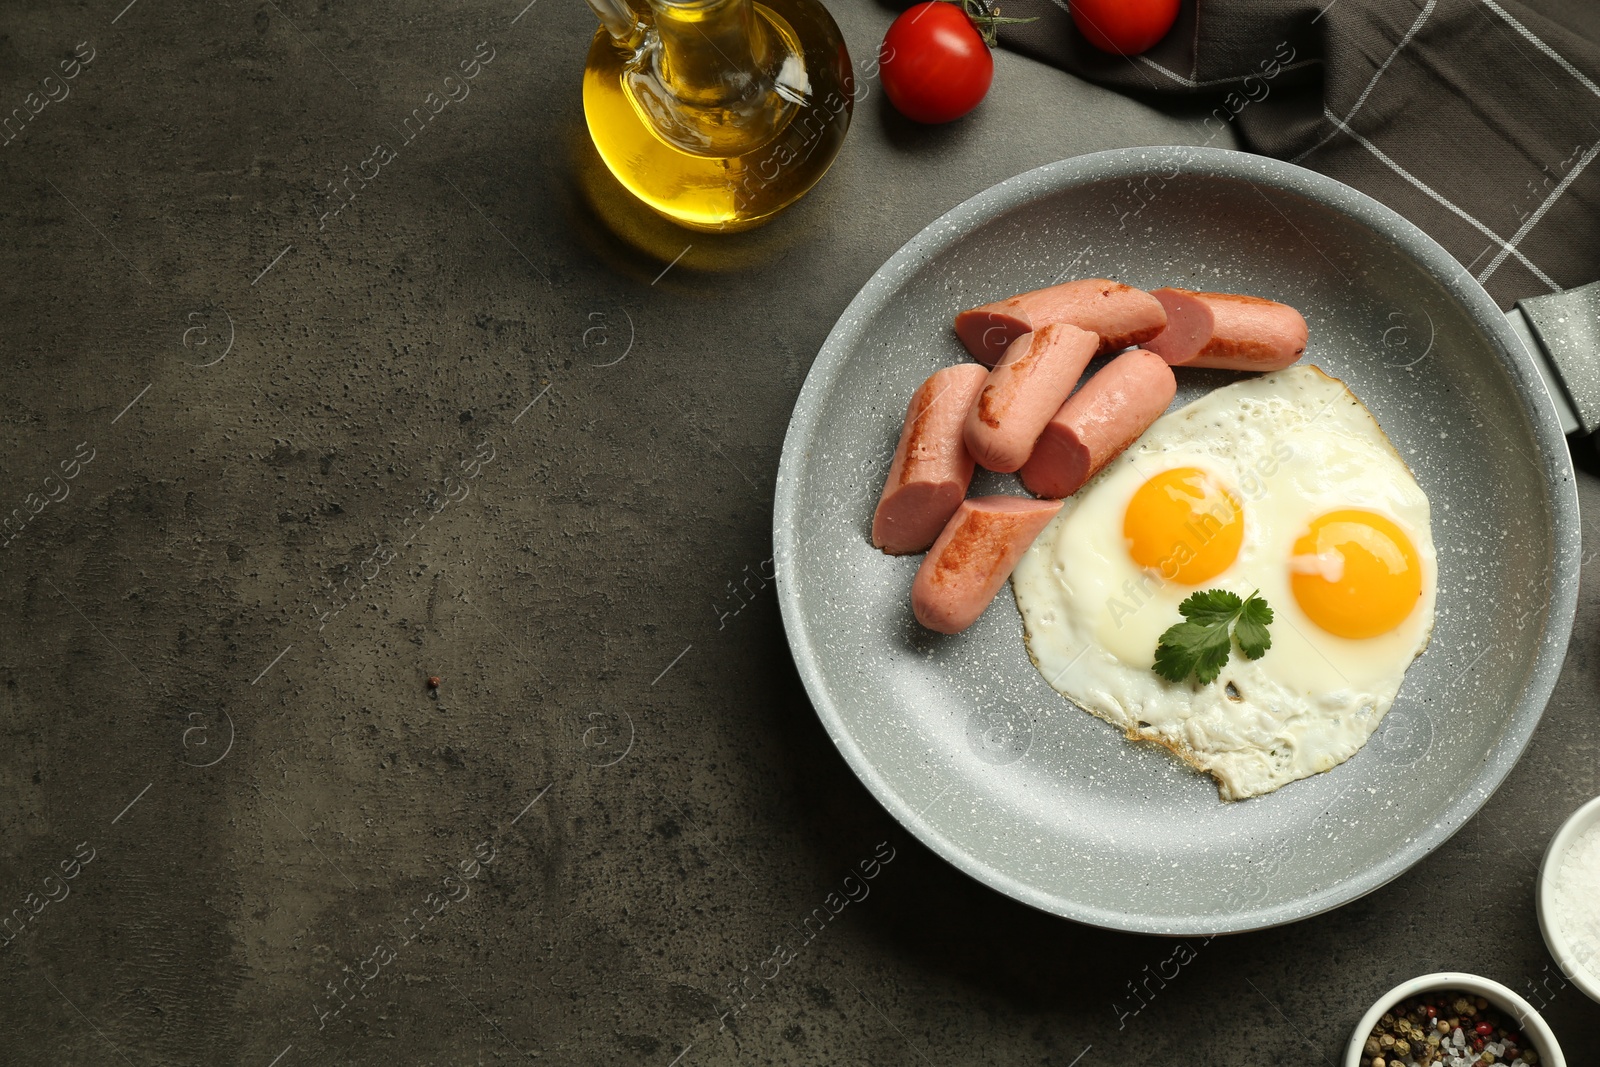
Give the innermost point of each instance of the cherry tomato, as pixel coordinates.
(1125, 27)
(934, 63)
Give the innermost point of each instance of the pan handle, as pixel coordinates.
(1562, 333)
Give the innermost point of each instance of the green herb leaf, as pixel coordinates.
(1192, 648)
(1214, 607)
(1251, 629)
(1201, 644)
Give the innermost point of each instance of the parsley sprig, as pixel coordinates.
(1201, 644)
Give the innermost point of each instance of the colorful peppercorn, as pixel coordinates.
(1446, 1030)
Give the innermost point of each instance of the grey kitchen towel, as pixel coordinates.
(1478, 120)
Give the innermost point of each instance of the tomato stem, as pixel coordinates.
(986, 17)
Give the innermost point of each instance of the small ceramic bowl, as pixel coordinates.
(1560, 941)
(1533, 1026)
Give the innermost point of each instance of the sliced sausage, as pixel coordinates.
(1025, 388)
(1098, 421)
(973, 557)
(1228, 331)
(1120, 314)
(932, 466)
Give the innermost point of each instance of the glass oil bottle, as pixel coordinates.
(717, 113)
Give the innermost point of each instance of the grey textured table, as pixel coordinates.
(291, 453)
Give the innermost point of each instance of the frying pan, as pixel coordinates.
(963, 741)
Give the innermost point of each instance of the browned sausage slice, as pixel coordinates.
(1228, 331)
(932, 466)
(1098, 421)
(1120, 314)
(973, 557)
(1025, 388)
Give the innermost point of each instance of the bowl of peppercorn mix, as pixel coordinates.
(1452, 1019)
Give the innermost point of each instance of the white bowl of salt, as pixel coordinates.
(1569, 898)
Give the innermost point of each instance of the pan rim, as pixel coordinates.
(1555, 464)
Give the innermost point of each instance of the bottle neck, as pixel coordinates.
(619, 19)
(713, 51)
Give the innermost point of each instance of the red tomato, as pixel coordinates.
(934, 64)
(1125, 27)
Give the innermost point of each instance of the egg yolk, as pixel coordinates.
(1355, 573)
(1185, 525)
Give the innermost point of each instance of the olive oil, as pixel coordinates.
(718, 113)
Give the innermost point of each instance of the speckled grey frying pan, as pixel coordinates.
(964, 742)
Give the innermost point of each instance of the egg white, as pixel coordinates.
(1290, 446)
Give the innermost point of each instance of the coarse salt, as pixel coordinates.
(1575, 901)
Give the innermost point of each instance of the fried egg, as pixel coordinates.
(1283, 486)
